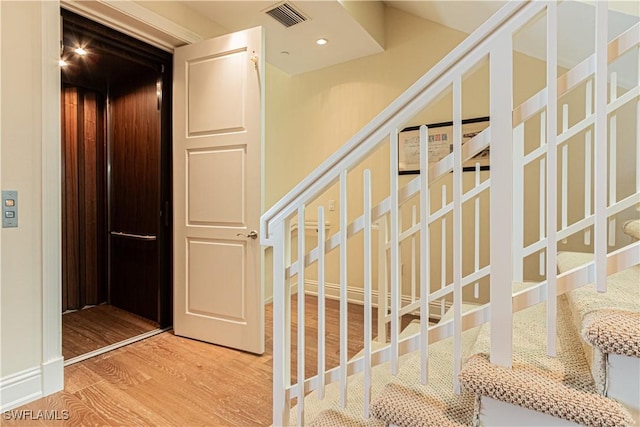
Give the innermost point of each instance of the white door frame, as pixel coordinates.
(146, 26)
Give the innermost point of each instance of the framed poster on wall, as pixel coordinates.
(440, 144)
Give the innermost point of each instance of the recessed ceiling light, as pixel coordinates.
(80, 51)
(322, 42)
(62, 63)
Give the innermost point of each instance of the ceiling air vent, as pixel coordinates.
(286, 14)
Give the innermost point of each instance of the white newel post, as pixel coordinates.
(501, 87)
(281, 377)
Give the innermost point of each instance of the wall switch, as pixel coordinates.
(332, 205)
(9, 208)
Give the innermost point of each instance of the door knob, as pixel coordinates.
(253, 234)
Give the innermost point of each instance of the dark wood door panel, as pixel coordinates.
(135, 195)
(135, 158)
(83, 198)
(134, 275)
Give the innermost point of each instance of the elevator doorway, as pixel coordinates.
(116, 194)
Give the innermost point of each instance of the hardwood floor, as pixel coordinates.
(87, 330)
(168, 380)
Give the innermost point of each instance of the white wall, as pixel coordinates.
(29, 99)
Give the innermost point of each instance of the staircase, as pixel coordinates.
(535, 288)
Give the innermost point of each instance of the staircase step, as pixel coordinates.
(328, 411)
(523, 385)
(613, 331)
(410, 406)
(406, 402)
(333, 418)
(587, 306)
(632, 228)
(560, 386)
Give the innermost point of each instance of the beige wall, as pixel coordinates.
(186, 17)
(20, 148)
(310, 115)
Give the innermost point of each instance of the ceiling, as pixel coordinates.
(294, 50)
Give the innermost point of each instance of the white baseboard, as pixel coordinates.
(20, 388)
(31, 384)
(53, 376)
(355, 295)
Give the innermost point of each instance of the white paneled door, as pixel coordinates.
(217, 182)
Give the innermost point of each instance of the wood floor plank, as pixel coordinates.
(114, 368)
(78, 377)
(87, 330)
(167, 380)
(115, 405)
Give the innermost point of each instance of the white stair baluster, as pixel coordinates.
(413, 254)
(613, 148)
(518, 205)
(638, 146)
(321, 303)
(395, 251)
(457, 232)
(344, 326)
(383, 232)
(476, 234)
(613, 156)
(552, 174)
(587, 160)
(543, 194)
(443, 242)
(301, 318)
(368, 265)
(600, 151)
(564, 198)
(425, 266)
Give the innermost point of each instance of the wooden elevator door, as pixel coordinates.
(134, 201)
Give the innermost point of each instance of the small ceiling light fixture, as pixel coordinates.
(80, 51)
(62, 63)
(322, 42)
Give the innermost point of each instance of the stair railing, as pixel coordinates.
(508, 251)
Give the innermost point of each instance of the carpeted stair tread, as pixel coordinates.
(623, 287)
(406, 407)
(529, 387)
(613, 331)
(328, 409)
(632, 228)
(334, 418)
(405, 402)
(440, 381)
(587, 304)
(537, 381)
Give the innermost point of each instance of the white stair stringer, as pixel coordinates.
(561, 387)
